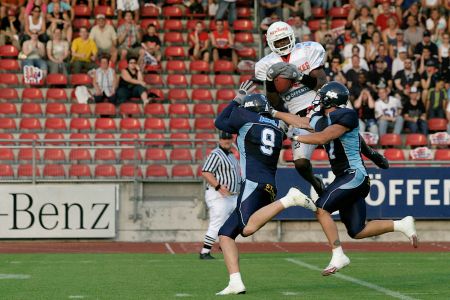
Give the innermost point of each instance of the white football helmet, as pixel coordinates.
(278, 31)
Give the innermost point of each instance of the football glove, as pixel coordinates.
(245, 89)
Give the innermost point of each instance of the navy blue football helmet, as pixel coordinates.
(257, 103)
(332, 94)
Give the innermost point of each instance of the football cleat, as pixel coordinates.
(337, 262)
(235, 289)
(410, 230)
(206, 256)
(321, 189)
(301, 199)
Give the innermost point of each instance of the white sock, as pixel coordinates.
(204, 250)
(235, 278)
(399, 226)
(287, 201)
(338, 251)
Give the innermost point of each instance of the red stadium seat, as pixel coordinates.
(30, 124)
(104, 138)
(202, 80)
(394, 154)
(130, 154)
(129, 135)
(80, 171)
(212, 26)
(224, 80)
(201, 154)
(178, 109)
(179, 124)
(314, 25)
(26, 154)
(204, 124)
(172, 12)
(225, 95)
(80, 109)
(82, 11)
(104, 10)
(9, 94)
(80, 124)
(150, 12)
(107, 171)
(155, 139)
(80, 79)
(173, 25)
(58, 124)
(287, 155)
(437, 124)
(53, 170)
(202, 95)
(32, 94)
(7, 124)
(9, 64)
(243, 25)
(244, 38)
(181, 155)
(176, 66)
(223, 66)
(8, 137)
(337, 23)
(54, 138)
(416, 140)
(6, 154)
(154, 124)
(174, 52)
(247, 53)
(81, 154)
(338, 12)
(130, 109)
(146, 22)
(319, 154)
(178, 95)
(318, 12)
(183, 171)
(244, 12)
(173, 38)
(204, 109)
(54, 154)
(130, 124)
(442, 154)
(105, 124)
(27, 170)
(79, 23)
(155, 154)
(391, 139)
(199, 66)
(54, 94)
(191, 23)
(155, 109)
(8, 109)
(156, 171)
(203, 136)
(177, 80)
(8, 51)
(156, 94)
(153, 80)
(180, 136)
(31, 136)
(79, 139)
(55, 109)
(105, 109)
(56, 79)
(6, 171)
(130, 171)
(105, 154)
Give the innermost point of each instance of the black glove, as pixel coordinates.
(245, 89)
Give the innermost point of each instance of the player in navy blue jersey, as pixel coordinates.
(336, 127)
(259, 140)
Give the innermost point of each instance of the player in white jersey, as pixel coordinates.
(302, 62)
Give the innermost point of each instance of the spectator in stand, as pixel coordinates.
(399, 61)
(406, 77)
(267, 21)
(84, 53)
(447, 112)
(124, 6)
(300, 28)
(372, 46)
(444, 54)
(212, 8)
(10, 30)
(334, 70)
(88, 3)
(348, 49)
(270, 6)
(151, 47)
(16, 5)
(413, 33)
(58, 51)
(295, 8)
(352, 74)
(59, 19)
(365, 107)
(414, 113)
(428, 79)
(436, 100)
(399, 44)
(35, 23)
(386, 14)
(426, 42)
(128, 38)
(389, 34)
(425, 59)
(131, 83)
(435, 22)
(199, 43)
(415, 12)
(195, 6)
(324, 29)
(32, 3)
(222, 43)
(380, 75)
(348, 63)
(110, 3)
(360, 85)
(105, 82)
(63, 7)
(105, 37)
(383, 53)
(34, 50)
(227, 6)
(367, 36)
(362, 21)
(388, 112)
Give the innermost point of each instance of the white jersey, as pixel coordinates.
(307, 56)
(391, 108)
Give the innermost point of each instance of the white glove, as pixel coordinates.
(245, 89)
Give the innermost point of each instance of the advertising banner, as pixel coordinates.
(58, 210)
(397, 192)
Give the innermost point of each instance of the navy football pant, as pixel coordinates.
(252, 197)
(346, 194)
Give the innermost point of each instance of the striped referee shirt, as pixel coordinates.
(225, 168)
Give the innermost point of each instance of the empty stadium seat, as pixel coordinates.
(178, 95)
(155, 109)
(176, 66)
(225, 95)
(437, 124)
(32, 94)
(80, 171)
(56, 79)
(6, 171)
(133, 136)
(199, 66)
(7, 124)
(56, 94)
(203, 109)
(80, 124)
(391, 139)
(337, 23)
(150, 11)
(173, 25)
(55, 109)
(416, 140)
(339, 12)
(8, 51)
(130, 171)
(224, 80)
(203, 136)
(177, 80)
(55, 124)
(172, 52)
(26, 154)
(54, 138)
(201, 154)
(156, 171)
(178, 109)
(82, 11)
(80, 109)
(104, 138)
(54, 154)
(105, 154)
(155, 154)
(80, 154)
(105, 124)
(130, 124)
(105, 109)
(9, 65)
(244, 38)
(130, 154)
(179, 124)
(394, 154)
(202, 80)
(287, 155)
(319, 154)
(31, 109)
(155, 139)
(155, 94)
(224, 66)
(30, 124)
(8, 109)
(244, 12)
(442, 154)
(182, 136)
(9, 79)
(154, 124)
(204, 124)
(181, 154)
(79, 139)
(318, 12)
(153, 79)
(30, 136)
(80, 79)
(9, 94)
(104, 10)
(107, 171)
(54, 170)
(172, 11)
(243, 25)
(81, 22)
(27, 170)
(170, 38)
(246, 53)
(6, 154)
(8, 137)
(202, 95)
(146, 22)
(183, 171)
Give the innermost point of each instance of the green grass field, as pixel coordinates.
(266, 276)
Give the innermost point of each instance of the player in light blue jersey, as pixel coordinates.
(336, 127)
(260, 139)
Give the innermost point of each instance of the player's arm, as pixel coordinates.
(323, 137)
(319, 75)
(224, 121)
(273, 96)
(291, 119)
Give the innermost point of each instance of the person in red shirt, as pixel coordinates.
(199, 43)
(222, 43)
(387, 13)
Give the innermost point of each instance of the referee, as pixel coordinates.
(222, 174)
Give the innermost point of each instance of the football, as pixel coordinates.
(282, 85)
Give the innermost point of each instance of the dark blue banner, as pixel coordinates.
(397, 192)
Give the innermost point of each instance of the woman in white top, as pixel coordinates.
(57, 52)
(444, 51)
(36, 23)
(105, 82)
(372, 47)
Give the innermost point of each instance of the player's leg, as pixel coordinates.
(373, 155)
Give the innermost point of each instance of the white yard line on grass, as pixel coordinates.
(76, 297)
(169, 248)
(183, 295)
(14, 276)
(363, 283)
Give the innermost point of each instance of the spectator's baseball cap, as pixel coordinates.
(401, 49)
(225, 135)
(100, 16)
(430, 63)
(413, 90)
(426, 33)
